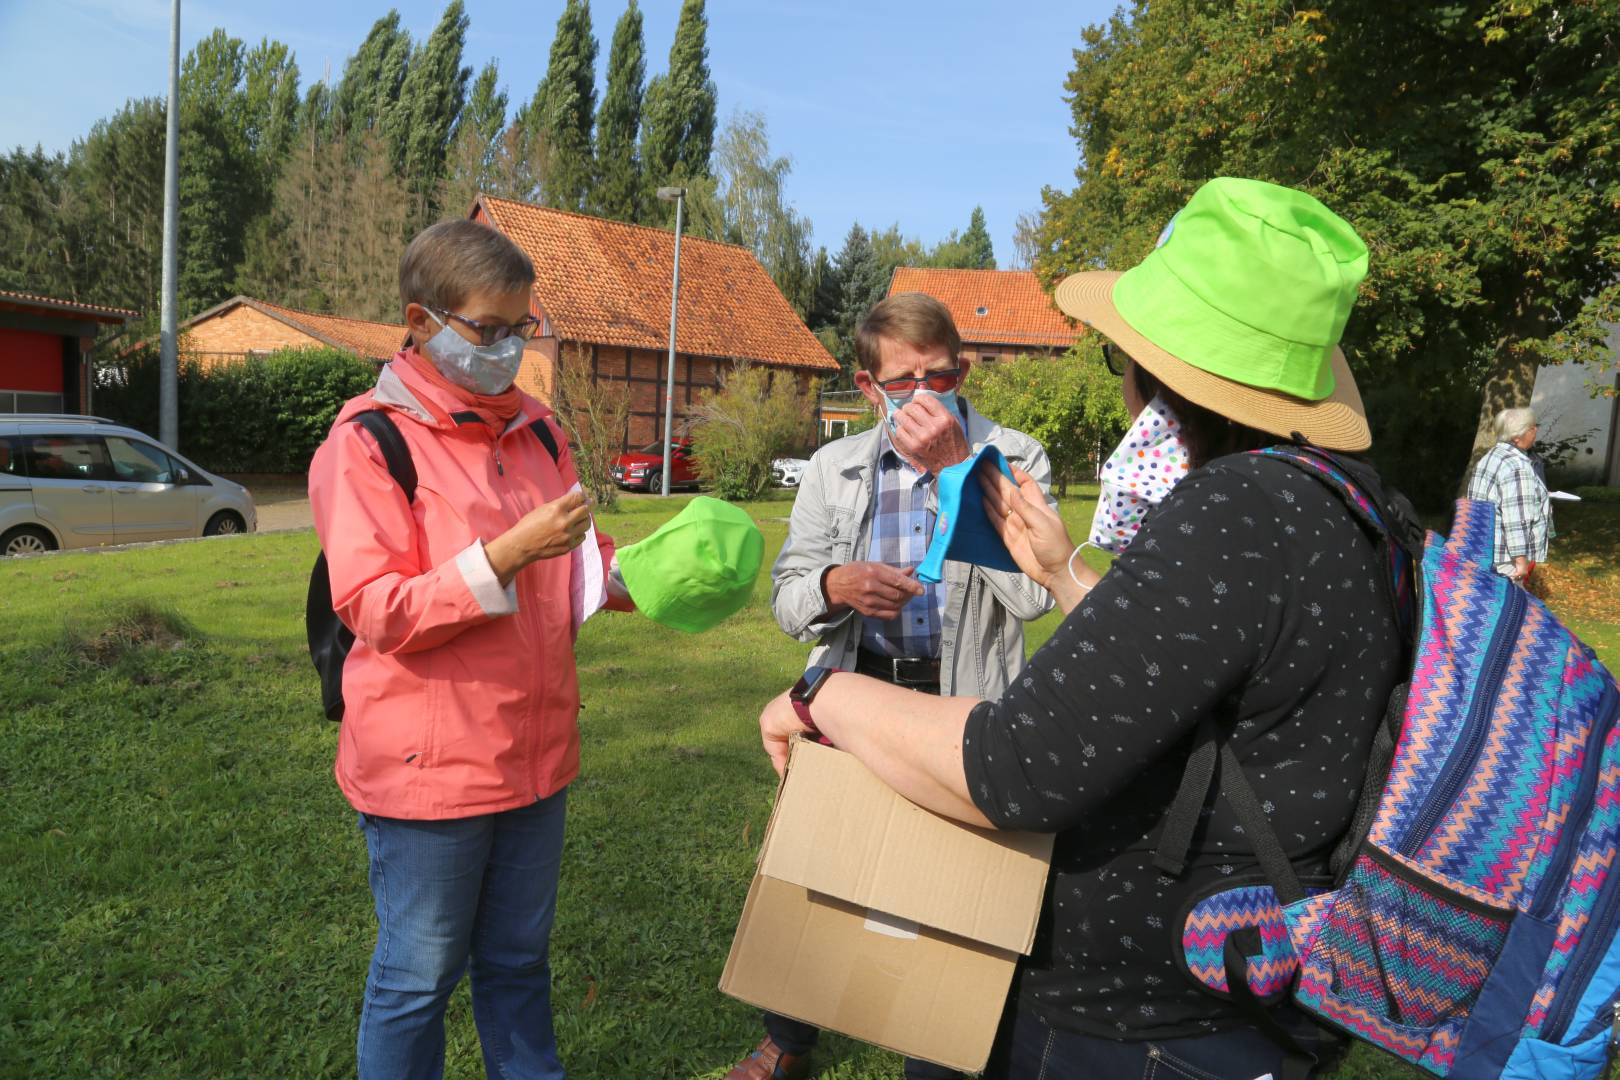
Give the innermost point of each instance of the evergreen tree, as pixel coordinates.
(372, 78)
(678, 136)
(976, 244)
(619, 189)
(566, 104)
(418, 127)
(475, 144)
(861, 281)
(826, 289)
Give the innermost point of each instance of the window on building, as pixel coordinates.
(21, 401)
(38, 403)
(837, 429)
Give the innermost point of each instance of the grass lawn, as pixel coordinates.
(184, 888)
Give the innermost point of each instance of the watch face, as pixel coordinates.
(809, 683)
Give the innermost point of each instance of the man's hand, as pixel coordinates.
(876, 590)
(544, 533)
(928, 435)
(777, 724)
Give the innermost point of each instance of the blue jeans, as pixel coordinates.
(476, 893)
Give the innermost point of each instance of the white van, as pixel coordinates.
(81, 481)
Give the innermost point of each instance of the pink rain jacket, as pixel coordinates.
(460, 697)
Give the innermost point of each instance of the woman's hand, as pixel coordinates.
(545, 532)
(1035, 536)
(778, 723)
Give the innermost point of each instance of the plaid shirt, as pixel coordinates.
(1507, 477)
(901, 526)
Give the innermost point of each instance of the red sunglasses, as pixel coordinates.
(937, 381)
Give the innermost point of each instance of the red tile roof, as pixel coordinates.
(373, 340)
(98, 312)
(1003, 307)
(607, 283)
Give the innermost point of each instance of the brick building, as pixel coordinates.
(45, 351)
(997, 312)
(601, 292)
(243, 326)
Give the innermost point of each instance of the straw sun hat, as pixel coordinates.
(1240, 309)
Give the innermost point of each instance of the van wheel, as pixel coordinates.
(27, 540)
(225, 523)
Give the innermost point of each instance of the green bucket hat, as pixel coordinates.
(1240, 309)
(698, 568)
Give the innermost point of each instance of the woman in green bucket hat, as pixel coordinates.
(1244, 592)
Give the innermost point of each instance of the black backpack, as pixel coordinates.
(329, 640)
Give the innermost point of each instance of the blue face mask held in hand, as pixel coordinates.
(482, 369)
(962, 529)
(892, 406)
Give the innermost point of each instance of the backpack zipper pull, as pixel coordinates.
(499, 468)
(1614, 1029)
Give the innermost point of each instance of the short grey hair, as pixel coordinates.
(1513, 423)
(449, 261)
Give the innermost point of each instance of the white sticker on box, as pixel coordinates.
(890, 925)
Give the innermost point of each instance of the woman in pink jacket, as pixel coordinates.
(459, 734)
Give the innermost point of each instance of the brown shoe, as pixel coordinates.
(770, 1062)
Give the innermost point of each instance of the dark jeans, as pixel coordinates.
(1028, 1049)
(800, 1038)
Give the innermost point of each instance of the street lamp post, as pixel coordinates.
(677, 195)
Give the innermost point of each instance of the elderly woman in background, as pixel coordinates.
(1507, 477)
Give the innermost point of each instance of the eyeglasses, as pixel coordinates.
(937, 381)
(490, 333)
(1115, 357)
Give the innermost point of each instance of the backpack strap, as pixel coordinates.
(1400, 541)
(396, 454)
(548, 439)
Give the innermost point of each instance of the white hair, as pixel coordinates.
(1513, 423)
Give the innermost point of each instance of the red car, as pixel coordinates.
(644, 468)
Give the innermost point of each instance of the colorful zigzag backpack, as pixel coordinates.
(1470, 924)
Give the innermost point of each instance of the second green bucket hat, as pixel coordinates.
(1240, 309)
(698, 568)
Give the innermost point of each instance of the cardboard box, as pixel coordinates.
(881, 920)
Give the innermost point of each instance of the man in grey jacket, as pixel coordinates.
(861, 523)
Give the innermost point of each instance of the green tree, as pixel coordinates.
(677, 138)
(470, 164)
(861, 282)
(755, 416)
(980, 252)
(747, 205)
(431, 97)
(565, 104)
(1071, 405)
(620, 190)
(824, 293)
(1472, 144)
(372, 79)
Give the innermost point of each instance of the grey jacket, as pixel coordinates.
(982, 635)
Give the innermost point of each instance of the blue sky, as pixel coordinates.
(907, 113)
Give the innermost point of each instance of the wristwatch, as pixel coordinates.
(804, 691)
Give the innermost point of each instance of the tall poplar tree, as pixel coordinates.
(417, 128)
(566, 108)
(372, 78)
(620, 190)
(678, 133)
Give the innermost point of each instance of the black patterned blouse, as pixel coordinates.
(1250, 593)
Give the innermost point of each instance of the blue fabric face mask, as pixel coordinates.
(482, 369)
(893, 405)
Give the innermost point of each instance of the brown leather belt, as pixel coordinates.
(918, 673)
